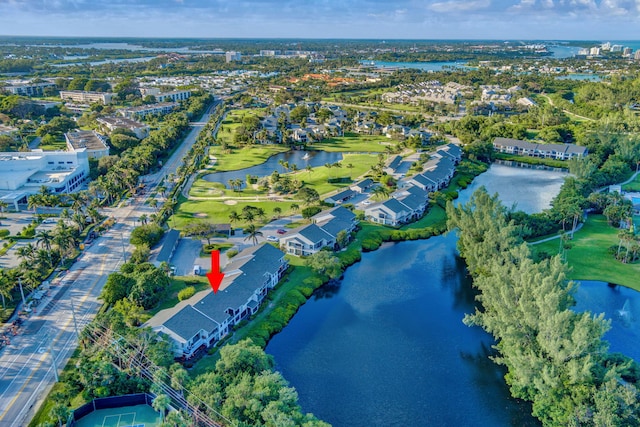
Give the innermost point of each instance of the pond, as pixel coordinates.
(387, 345)
(301, 159)
(619, 304)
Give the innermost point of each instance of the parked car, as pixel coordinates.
(281, 231)
(272, 239)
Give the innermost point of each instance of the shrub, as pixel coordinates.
(231, 253)
(4, 233)
(186, 293)
(148, 234)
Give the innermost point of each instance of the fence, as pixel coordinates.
(107, 403)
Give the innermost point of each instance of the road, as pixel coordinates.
(48, 336)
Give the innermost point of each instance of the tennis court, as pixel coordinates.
(128, 416)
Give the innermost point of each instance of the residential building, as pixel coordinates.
(29, 88)
(533, 149)
(362, 186)
(340, 197)
(145, 110)
(233, 56)
(204, 319)
(87, 97)
(175, 96)
(405, 205)
(94, 143)
(307, 240)
(112, 123)
(23, 173)
(321, 233)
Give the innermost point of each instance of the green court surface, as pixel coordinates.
(136, 416)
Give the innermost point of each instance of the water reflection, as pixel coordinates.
(301, 159)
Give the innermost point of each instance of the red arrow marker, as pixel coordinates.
(215, 276)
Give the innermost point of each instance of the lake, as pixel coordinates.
(425, 66)
(387, 347)
(297, 157)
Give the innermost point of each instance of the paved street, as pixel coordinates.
(26, 365)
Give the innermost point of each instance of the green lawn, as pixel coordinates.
(241, 158)
(318, 177)
(633, 185)
(233, 120)
(58, 145)
(218, 212)
(588, 256)
(352, 142)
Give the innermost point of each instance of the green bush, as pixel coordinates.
(231, 253)
(4, 233)
(186, 293)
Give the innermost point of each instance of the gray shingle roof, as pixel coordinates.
(168, 245)
(188, 322)
(314, 233)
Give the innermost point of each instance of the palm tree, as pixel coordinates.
(238, 183)
(78, 201)
(144, 219)
(295, 207)
(249, 216)
(80, 219)
(44, 239)
(277, 211)
(232, 184)
(6, 286)
(94, 214)
(161, 403)
(380, 192)
(234, 217)
(3, 206)
(252, 233)
(27, 252)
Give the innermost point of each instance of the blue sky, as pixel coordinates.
(379, 19)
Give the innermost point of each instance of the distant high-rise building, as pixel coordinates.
(637, 55)
(627, 51)
(594, 51)
(606, 46)
(233, 56)
(583, 51)
(616, 48)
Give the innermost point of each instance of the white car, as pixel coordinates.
(272, 239)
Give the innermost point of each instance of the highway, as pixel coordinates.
(48, 337)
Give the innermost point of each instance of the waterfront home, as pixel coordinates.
(390, 212)
(532, 149)
(307, 240)
(321, 233)
(204, 319)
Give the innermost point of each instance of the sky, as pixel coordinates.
(370, 19)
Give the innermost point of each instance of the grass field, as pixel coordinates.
(233, 120)
(588, 256)
(353, 142)
(241, 158)
(218, 212)
(633, 185)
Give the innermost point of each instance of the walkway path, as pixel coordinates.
(566, 111)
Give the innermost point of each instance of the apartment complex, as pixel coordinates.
(85, 97)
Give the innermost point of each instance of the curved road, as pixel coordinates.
(48, 337)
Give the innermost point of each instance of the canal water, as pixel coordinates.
(301, 159)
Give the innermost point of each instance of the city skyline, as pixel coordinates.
(375, 19)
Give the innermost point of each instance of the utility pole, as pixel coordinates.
(75, 323)
(53, 360)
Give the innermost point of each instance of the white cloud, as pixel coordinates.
(454, 6)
